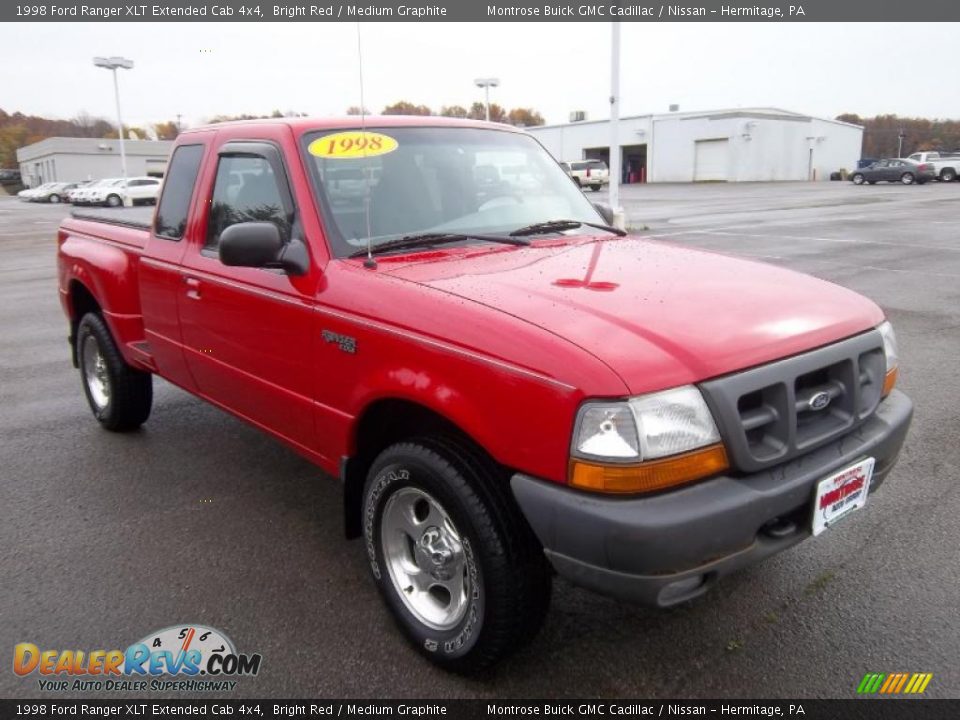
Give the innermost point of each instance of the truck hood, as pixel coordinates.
(659, 315)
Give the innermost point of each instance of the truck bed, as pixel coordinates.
(140, 218)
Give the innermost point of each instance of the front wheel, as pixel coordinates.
(858, 179)
(596, 188)
(454, 559)
(119, 396)
(907, 178)
(55, 198)
(114, 201)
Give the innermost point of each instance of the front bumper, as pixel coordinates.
(665, 549)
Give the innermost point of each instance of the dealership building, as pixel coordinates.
(68, 159)
(745, 144)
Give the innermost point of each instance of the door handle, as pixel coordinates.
(193, 287)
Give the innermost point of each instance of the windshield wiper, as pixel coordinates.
(436, 238)
(558, 225)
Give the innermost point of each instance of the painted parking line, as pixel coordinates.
(878, 268)
(848, 241)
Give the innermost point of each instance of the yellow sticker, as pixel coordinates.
(352, 144)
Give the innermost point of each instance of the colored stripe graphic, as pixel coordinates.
(894, 683)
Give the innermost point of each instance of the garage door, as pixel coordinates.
(711, 160)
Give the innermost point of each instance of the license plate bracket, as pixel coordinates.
(841, 493)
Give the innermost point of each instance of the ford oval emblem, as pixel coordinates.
(819, 400)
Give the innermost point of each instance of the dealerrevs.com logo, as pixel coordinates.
(177, 658)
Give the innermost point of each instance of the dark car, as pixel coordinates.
(895, 170)
(9, 177)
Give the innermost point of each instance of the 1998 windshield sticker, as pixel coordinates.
(352, 144)
(177, 658)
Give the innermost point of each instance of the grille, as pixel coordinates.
(775, 412)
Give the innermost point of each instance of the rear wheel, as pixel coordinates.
(119, 396)
(858, 179)
(596, 188)
(455, 561)
(54, 198)
(907, 178)
(948, 175)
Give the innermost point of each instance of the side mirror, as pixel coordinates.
(259, 245)
(251, 244)
(606, 212)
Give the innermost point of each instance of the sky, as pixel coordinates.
(204, 69)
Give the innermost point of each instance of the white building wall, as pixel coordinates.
(764, 145)
(568, 142)
(76, 159)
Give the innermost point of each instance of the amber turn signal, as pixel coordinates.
(889, 382)
(649, 476)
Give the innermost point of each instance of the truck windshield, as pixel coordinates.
(388, 183)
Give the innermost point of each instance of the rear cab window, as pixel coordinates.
(174, 206)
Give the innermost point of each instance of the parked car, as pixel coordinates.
(947, 166)
(71, 195)
(86, 195)
(28, 193)
(10, 177)
(138, 190)
(589, 173)
(113, 192)
(492, 419)
(895, 170)
(52, 192)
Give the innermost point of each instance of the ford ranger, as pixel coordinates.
(507, 387)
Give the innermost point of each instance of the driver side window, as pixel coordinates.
(245, 190)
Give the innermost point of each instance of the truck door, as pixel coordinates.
(159, 271)
(247, 331)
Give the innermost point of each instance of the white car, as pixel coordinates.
(52, 192)
(30, 192)
(115, 192)
(588, 173)
(85, 195)
(947, 165)
(72, 194)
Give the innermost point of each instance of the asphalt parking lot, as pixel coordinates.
(199, 518)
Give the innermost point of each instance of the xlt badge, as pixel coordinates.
(344, 342)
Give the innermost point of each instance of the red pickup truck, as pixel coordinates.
(507, 387)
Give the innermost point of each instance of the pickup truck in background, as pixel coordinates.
(946, 166)
(507, 387)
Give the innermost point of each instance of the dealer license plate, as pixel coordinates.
(840, 494)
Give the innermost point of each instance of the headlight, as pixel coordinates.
(646, 443)
(893, 357)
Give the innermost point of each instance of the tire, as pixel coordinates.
(907, 178)
(455, 561)
(948, 175)
(114, 201)
(596, 188)
(858, 179)
(55, 199)
(119, 396)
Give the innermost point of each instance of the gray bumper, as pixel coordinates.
(664, 549)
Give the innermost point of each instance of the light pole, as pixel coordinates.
(112, 64)
(486, 84)
(618, 214)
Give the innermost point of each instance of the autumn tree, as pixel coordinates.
(455, 111)
(402, 107)
(130, 132)
(166, 130)
(881, 134)
(525, 117)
